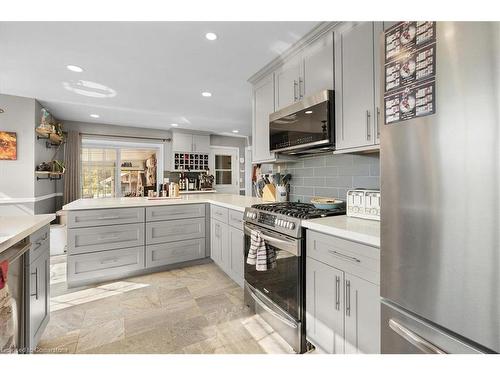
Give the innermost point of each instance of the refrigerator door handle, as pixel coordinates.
(414, 339)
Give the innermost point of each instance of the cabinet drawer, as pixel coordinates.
(86, 240)
(184, 211)
(92, 218)
(357, 259)
(174, 230)
(220, 213)
(236, 219)
(174, 252)
(40, 241)
(105, 264)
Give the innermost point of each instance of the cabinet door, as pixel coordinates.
(215, 241)
(263, 105)
(201, 143)
(39, 297)
(236, 244)
(324, 306)
(354, 85)
(362, 316)
(318, 67)
(287, 83)
(182, 142)
(378, 61)
(225, 249)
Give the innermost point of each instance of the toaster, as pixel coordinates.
(363, 203)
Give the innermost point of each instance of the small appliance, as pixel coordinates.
(363, 203)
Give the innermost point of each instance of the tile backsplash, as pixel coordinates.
(332, 175)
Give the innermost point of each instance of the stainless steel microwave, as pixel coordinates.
(304, 127)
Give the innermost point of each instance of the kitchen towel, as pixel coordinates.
(259, 254)
(7, 323)
(4, 270)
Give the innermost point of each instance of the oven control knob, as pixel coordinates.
(291, 225)
(254, 215)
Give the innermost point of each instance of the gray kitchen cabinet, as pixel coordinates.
(357, 77)
(227, 242)
(288, 80)
(181, 211)
(174, 230)
(38, 306)
(112, 216)
(324, 307)
(174, 252)
(184, 142)
(104, 265)
(106, 237)
(362, 315)
(318, 66)
(236, 255)
(342, 295)
(263, 106)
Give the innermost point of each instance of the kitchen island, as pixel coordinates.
(112, 238)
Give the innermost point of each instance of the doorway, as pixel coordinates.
(224, 166)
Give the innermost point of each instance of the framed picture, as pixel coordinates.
(8, 146)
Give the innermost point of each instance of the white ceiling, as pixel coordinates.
(157, 69)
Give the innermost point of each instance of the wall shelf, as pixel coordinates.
(51, 176)
(52, 139)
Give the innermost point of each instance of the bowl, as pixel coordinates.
(326, 203)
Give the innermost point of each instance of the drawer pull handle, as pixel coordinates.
(343, 256)
(337, 293)
(109, 260)
(109, 217)
(41, 241)
(348, 298)
(36, 284)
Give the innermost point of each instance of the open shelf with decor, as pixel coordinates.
(52, 139)
(52, 176)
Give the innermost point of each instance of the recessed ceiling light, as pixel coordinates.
(236, 131)
(74, 68)
(174, 125)
(206, 94)
(211, 36)
(94, 115)
(308, 112)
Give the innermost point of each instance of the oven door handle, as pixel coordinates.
(273, 313)
(288, 246)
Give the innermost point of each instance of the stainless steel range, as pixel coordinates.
(277, 295)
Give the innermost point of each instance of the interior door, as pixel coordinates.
(324, 306)
(354, 85)
(224, 166)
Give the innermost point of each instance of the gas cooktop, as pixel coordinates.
(285, 217)
(298, 210)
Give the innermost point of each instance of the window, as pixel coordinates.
(223, 170)
(119, 169)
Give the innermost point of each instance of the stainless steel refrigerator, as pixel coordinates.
(440, 219)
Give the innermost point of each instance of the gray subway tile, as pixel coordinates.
(316, 161)
(296, 198)
(335, 160)
(366, 182)
(298, 190)
(329, 192)
(302, 172)
(366, 158)
(342, 194)
(339, 181)
(306, 199)
(296, 181)
(314, 181)
(325, 171)
(354, 170)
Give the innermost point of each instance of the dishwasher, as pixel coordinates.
(12, 299)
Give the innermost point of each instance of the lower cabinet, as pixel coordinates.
(342, 299)
(38, 291)
(174, 252)
(227, 246)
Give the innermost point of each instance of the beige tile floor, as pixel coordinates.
(192, 310)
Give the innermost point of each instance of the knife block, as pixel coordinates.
(269, 193)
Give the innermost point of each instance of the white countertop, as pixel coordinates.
(350, 228)
(197, 191)
(15, 228)
(232, 201)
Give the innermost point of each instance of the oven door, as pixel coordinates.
(281, 285)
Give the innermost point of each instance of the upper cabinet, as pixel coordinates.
(263, 106)
(308, 70)
(318, 66)
(183, 142)
(357, 76)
